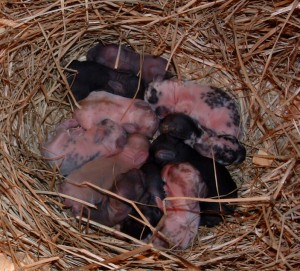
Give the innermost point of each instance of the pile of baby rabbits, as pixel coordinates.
(146, 137)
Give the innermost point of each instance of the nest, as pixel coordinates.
(249, 47)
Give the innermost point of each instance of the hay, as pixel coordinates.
(250, 47)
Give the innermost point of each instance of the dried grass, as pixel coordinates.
(250, 47)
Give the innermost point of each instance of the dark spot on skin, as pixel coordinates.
(75, 160)
(202, 95)
(235, 118)
(90, 158)
(226, 155)
(234, 113)
(216, 98)
(231, 106)
(105, 122)
(153, 99)
(66, 145)
(109, 126)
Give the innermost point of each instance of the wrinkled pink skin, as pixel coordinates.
(103, 171)
(214, 112)
(111, 211)
(71, 146)
(136, 116)
(152, 67)
(182, 215)
(192, 99)
(223, 148)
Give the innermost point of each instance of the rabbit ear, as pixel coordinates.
(130, 128)
(168, 75)
(92, 53)
(117, 87)
(142, 104)
(165, 155)
(140, 158)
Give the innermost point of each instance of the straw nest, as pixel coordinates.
(249, 47)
